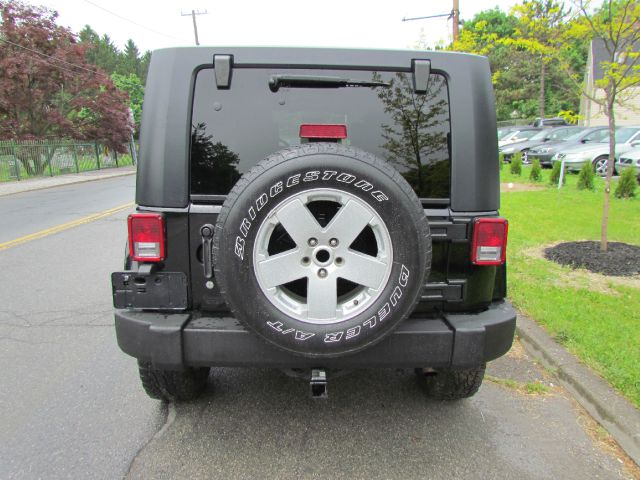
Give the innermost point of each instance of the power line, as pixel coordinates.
(454, 14)
(74, 65)
(60, 67)
(133, 22)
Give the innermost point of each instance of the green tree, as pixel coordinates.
(130, 59)
(515, 64)
(102, 52)
(616, 23)
(132, 85)
(540, 26)
(47, 88)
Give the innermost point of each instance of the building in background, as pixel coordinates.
(592, 113)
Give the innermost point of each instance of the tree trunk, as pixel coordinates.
(607, 181)
(543, 68)
(419, 162)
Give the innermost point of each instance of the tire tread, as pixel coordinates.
(172, 386)
(453, 384)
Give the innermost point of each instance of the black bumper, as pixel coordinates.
(177, 340)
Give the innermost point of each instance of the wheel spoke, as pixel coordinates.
(298, 221)
(363, 270)
(282, 268)
(349, 222)
(322, 297)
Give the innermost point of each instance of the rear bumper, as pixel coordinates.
(177, 340)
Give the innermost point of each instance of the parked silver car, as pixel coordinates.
(544, 153)
(629, 159)
(547, 135)
(597, 153)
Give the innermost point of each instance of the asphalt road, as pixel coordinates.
(30, 212)
(70, 402)
(71, 405)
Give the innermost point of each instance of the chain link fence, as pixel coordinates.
(37, 158)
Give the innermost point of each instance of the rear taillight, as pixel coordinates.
(323, 131)
(146, 237)
(489, 245)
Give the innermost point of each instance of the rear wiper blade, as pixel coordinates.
(318, 81)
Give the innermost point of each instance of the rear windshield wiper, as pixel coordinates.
(318, 81)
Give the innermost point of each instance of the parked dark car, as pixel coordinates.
(540, 138)
(285, 219)
(549, 122)
(545, 153)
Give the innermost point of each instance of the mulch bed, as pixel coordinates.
(620, 259)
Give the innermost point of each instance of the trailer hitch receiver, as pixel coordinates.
(318, 383)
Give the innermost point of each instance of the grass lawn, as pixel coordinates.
(595, 317)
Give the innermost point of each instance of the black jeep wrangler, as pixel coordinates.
(312, 210)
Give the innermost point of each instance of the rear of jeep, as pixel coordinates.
(313, 210)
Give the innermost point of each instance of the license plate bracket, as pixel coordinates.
(149, 291)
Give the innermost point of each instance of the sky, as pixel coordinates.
(323, 23)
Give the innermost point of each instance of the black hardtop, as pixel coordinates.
(163, 171)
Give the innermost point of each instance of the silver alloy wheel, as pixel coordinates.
(322, 255)
(600, 166)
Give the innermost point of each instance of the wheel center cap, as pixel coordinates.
(322, 256)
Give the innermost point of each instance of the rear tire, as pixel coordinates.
(452, 384)
(173, 386)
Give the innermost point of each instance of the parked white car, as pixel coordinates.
(597, 153)
(517, 135)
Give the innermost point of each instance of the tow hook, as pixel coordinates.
(318, 383)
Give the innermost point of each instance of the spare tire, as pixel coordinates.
(321, 249)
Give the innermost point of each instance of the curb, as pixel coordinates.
(59, 181)
(614, 412)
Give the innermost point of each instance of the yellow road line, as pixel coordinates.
(63, 226)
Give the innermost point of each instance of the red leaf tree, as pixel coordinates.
(47, 89)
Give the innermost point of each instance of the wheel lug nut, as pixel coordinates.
(333, 242)
(313, 242)
(322, 273)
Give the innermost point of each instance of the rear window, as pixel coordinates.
(234, 129)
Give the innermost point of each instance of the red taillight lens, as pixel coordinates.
(323, 131)
(146, 237)
(489, 245)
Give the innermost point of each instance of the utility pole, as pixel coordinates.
(195, 25)
(454, 15)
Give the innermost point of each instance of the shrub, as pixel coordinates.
(585, 178)
(536, 171)
(627, 184)
(516, 164)
(554, 178)
(501, 159)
